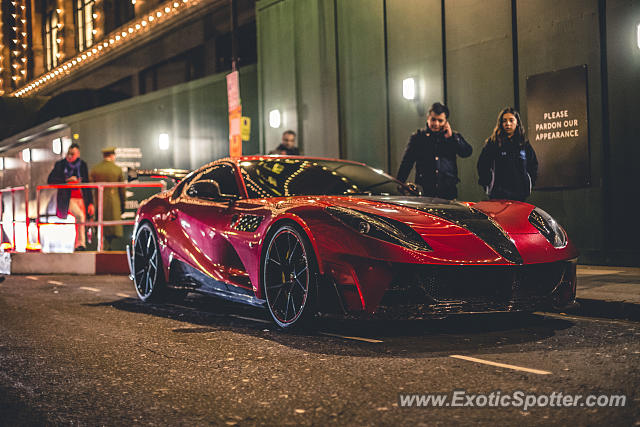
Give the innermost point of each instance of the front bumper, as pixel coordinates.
(434, 290)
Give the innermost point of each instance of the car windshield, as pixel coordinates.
(297, 177)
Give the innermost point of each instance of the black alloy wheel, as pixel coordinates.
(147, 264)
(289, 274)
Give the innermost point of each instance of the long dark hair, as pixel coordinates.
(499, 136)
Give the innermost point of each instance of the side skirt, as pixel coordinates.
(185, 277)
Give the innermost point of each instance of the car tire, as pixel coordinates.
(289, 274)
(148, 277)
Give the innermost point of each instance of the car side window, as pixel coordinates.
(177, 192)
(224, 175)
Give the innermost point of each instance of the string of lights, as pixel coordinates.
(112, 41)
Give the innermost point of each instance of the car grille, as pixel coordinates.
(467, 289)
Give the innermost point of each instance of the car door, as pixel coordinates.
(206, 218)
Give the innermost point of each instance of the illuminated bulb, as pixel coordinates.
(73, 62)
(57, 55)
(94, 50)
(150, 18)
(144, 23)
(95, 16)
(105, 44)
(99, 47)
(88, 53)
(130, 30)
(117, 39)
(84, 56)
(176, 4)
(94, 32)
(58, 11)
(159, 14)
(137, 26)
(58, 41)
(167, 10)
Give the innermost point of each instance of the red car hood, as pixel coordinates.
(502, 227)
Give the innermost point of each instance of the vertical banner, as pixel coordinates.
(235, 114)
(557, 114)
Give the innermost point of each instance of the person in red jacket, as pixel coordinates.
(73, 170)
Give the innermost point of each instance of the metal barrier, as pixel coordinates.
(100, 186)
(13, 190)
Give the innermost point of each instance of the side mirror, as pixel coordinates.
(209, 189)
(413, 187)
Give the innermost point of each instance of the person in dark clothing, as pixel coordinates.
(288, 145)
(434, 151)
(73, 170)
(508, 166)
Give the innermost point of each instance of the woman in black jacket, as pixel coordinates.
(507, 166)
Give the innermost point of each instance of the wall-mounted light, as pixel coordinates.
(57, 146)
(26, 155)
(1, 163)
(66, 143)
(638, 34)
(163, 141)
(409, 88)
(274, 118)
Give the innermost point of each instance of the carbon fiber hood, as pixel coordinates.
(468, 218)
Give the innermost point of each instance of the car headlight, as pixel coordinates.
(549, 228)
(378, 227)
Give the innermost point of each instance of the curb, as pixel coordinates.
(608, 309)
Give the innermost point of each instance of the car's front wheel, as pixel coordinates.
(289, 274)
(148, 275)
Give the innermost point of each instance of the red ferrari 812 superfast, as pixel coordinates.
(300, 236)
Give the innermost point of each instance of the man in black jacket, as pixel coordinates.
(73, 170)
(434, 150)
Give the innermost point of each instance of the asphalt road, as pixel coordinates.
(82, 350)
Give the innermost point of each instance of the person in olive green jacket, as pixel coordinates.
(113, 198)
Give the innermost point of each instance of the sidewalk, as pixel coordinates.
(609, 292)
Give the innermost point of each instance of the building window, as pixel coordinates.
(84, 20)
(50, 39)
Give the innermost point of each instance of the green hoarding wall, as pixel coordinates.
(334, 68)
(193, 114)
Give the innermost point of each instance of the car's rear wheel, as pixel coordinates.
(148, 274)
(289, 274)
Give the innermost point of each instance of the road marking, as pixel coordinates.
(123, 295)
(351, 338)
(32, 277)
(84, 288)
(501, 365)
(55, 282)
(250, 319)
(596, 272)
